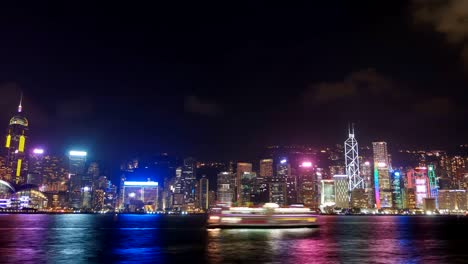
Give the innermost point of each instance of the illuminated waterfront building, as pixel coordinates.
(341, 191)
(247, 188)
(307, 186)
(203, 195)
(77, 165)
(139, 196)
(397, 185)
(410, 198)
(355, 181)
(382, 186)
(327, 193)
(15, 144)
(283, 171)
(452, 200)
(242, 167)
(36, 165)
(225, 188)
(419, 181)
(188, 181)
(433, 182)
(429, 204)
(266, 168)
(277, 190)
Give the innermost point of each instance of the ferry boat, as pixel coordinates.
(271, 215)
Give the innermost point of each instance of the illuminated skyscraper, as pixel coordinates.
(341, 191)
(308, 185)
(225, 188)
(397, 184)
(247, 188)
(36, 165)
(283, 170)
(266, 168)
(327, 193)
(203, 199)
(382, 187)
(242, 167)
(418, 179)
(188, 180)
(352, 163)
(15, 145)
(77, 165)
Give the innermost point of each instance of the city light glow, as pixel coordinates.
(78, 153)
(283, 161)
(381, 164)
(38, 151)
(307, 164)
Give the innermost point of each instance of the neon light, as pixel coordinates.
(376, 187)
(283, 161)
(367, 163)
(397, 173)
(78, 153)
(140, 183)
(18, 168)
(21, 143)
(8, 141)
(38, 151)
(307, 164)
(434, 188)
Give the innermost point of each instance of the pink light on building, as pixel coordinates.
(306, 164)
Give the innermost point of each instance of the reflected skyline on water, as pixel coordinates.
(179, 239)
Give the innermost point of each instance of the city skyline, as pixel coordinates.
(192, 82)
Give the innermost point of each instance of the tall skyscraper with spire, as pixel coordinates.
(15, 145)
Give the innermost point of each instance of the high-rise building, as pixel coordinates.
(225, 188)
(266, 168)
(139, 196)
(76, 169)
(188, 180)
(327, 193)
(242, 167)
(277, 190)
(308, 185)
(203, 199)
(15, 145)
(382, 186)
(247, 188)
(36, 164)
(341, 191)
(283, 171)
(418, 180)
(397, 185)
(452, 201)
(352, 163)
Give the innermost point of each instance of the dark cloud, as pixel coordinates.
(358, 83)
(449, 17)
(195, 105)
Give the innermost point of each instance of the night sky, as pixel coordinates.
(224, 80)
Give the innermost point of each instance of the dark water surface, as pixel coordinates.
(183, 239)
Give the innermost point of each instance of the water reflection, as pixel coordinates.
(150, 239)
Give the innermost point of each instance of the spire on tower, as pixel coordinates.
(20, 107)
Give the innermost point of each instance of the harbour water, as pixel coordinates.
(86, 238)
